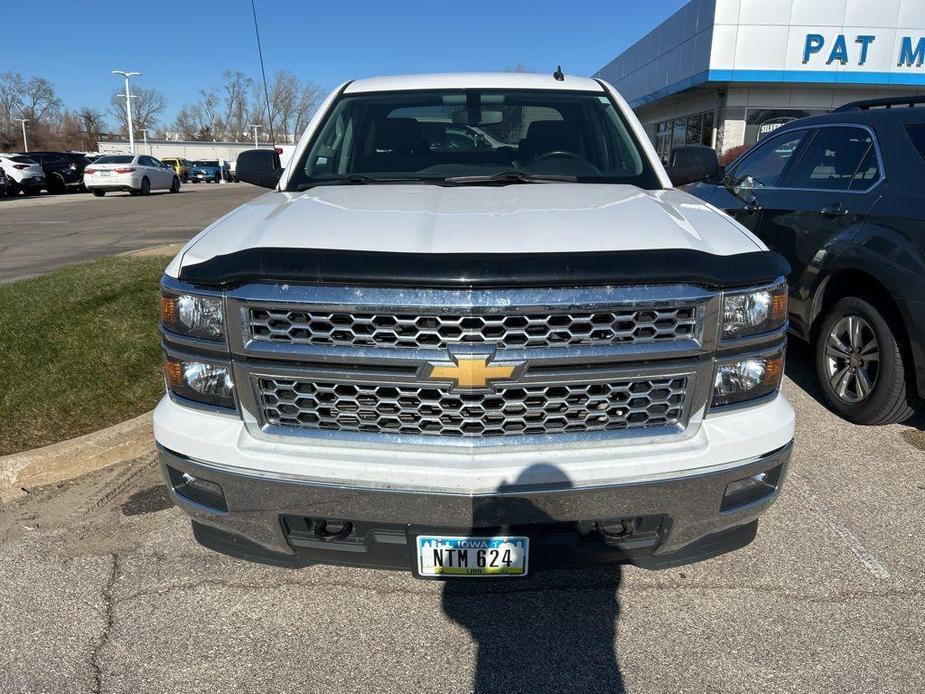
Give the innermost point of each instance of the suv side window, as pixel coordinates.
(765, 166)
(834, 158)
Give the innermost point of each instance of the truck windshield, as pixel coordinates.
(472, 137)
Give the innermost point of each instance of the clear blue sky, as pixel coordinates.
(182, 47)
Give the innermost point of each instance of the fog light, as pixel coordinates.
(747, 379)
(197, 489)
(748, 490)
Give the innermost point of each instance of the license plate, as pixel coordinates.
(441, 555)
(105, 173)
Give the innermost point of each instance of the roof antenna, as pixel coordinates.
(558, 74)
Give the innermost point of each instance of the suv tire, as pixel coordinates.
(860, 363)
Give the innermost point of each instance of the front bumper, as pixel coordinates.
(675, 520)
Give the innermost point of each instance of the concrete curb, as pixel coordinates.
(66, 460)
(169, 249)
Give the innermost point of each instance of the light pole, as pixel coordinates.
(25, 142)
(255, 126)
(128, 106)
(144, 134)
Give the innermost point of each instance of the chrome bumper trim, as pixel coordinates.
(692, 502)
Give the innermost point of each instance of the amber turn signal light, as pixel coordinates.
(168, 309)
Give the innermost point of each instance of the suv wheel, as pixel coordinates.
(860, 364)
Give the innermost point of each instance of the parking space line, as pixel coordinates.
(873, 565)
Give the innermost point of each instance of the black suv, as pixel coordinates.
(841, 196)
(63, 170)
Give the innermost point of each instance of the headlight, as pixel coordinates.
(193, 315)
(747, 378)
(200, 381)
(755, 311)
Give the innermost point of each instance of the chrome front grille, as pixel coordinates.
(504, 330)
(510, 410)
(400, 364)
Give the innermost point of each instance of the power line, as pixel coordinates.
(266, 90)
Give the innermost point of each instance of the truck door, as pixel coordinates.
(823, 200)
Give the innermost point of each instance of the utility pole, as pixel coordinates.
(25, 142)
(128, 106)
(255, 126)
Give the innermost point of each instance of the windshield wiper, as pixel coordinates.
(358, 180)
(512, 176)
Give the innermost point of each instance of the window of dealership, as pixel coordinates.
(727, 73)
(696, 129)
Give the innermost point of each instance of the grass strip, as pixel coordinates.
(79, 350)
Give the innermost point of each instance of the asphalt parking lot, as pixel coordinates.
(102, 588)
(43, 233)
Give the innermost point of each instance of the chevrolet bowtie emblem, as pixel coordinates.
(471, 373)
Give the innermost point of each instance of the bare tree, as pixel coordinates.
(40, 102)
(34, 99)
(12, 91)
(147, 106)
(208, 109)
(236, 86)
(92, 124)
(283, 96)
(188, 121)
(309, 97)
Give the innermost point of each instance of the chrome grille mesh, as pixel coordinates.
(518, 409)
(503, 330)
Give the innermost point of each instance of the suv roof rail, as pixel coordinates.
(889, 102)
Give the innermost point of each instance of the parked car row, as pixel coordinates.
(29, 173)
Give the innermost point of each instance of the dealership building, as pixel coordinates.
(728, 72)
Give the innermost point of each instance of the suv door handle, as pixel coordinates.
(834, 210)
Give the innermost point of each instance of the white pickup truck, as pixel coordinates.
(473, 330)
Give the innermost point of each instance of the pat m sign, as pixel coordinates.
(846, 49)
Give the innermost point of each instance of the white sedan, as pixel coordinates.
(137, 174)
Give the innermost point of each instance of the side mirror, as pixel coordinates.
(692, 163)
(260, 167)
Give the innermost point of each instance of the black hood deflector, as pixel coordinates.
(480, 270)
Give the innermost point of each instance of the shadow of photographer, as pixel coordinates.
(550, 632)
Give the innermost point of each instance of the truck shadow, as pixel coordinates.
(553, 631)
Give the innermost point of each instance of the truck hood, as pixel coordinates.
(527, 218)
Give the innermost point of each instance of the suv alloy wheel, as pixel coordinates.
(860, 364)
